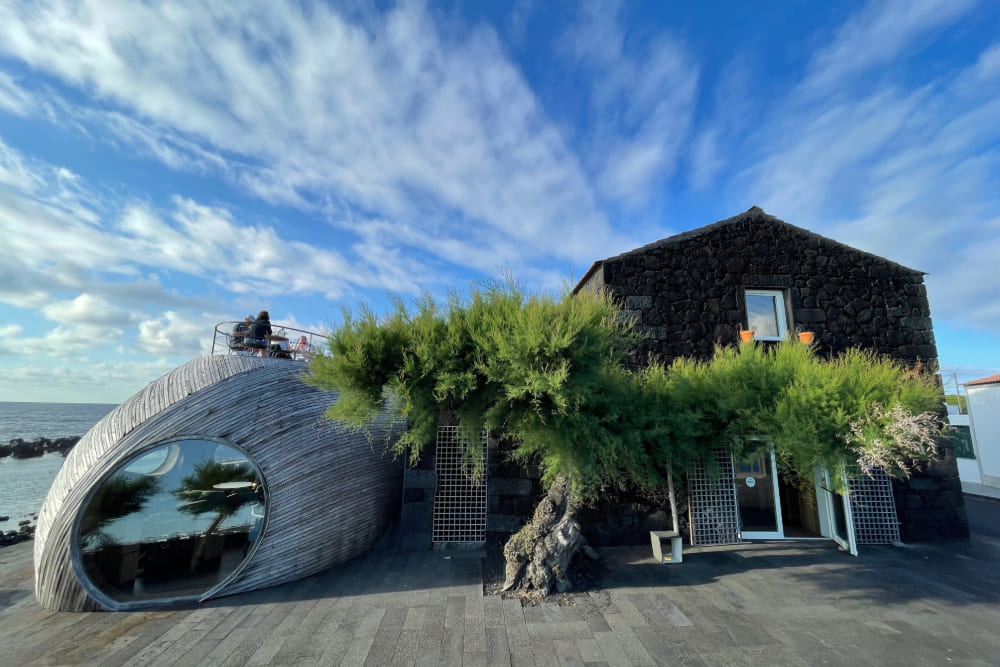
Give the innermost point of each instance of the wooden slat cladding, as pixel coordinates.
(331, 491)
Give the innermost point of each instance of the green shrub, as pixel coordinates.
(550, 373)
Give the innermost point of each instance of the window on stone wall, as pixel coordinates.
(766, 314)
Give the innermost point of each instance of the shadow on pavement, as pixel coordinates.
(956, 573)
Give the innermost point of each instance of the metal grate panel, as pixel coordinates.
(874, 508)
(712, 502)
(459, 502)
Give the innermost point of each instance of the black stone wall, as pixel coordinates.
(686, 294)
(417, 517)
(512, 492)
(930, 505)
(626, 517)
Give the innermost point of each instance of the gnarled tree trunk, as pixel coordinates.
(539, 555)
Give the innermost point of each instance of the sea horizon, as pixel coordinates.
(24, 483)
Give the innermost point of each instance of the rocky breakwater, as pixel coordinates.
(19, 448)
(25, 531)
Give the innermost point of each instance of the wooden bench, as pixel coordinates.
(674, 555)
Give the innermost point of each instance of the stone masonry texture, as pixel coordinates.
(686, 294)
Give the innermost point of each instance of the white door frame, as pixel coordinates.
(827, 499)
(769, 534)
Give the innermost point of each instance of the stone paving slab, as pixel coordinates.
(766, 603)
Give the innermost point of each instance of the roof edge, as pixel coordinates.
(992, 379)
(591, 271)
(753, 211)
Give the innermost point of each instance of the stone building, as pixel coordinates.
(691, 291)
(688, 292)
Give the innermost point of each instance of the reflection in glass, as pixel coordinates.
(755, 490)
(762, 315)
(172, 522)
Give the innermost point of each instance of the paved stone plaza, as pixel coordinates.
(777, 603)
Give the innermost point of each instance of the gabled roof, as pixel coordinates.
(753, 214)
(993, 379)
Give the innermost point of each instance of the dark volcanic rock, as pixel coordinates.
(25, 532)
(26, 450)
(686, 293)
(63, 445)
(19, 449)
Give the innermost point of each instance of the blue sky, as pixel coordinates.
(165, 166)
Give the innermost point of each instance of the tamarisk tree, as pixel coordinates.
(550, 374)
(547, 372)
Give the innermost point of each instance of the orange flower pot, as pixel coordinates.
(746, 334)
(806, 336)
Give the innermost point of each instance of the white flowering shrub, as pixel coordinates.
(893, 439)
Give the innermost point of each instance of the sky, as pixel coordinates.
(165, 166)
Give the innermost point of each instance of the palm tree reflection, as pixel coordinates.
(119, 497)
(219, 488)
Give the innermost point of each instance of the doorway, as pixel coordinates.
(779, 504)
(799, 505)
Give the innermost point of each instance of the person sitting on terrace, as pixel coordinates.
(259, 331)
(303, 348)
(238, 339)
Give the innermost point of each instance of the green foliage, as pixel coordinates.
(960, 401)
(809, 408)
(550, 373)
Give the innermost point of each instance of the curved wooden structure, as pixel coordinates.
(331, 491)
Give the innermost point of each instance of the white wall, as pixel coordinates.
(984, 417)
(968, 469)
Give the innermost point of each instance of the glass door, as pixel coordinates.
(841, 520)
(758, 498)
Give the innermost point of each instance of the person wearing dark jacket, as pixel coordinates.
(259, 331)
(238, 339)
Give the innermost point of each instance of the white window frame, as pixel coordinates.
(779, 297)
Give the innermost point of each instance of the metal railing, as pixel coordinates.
(225, 342)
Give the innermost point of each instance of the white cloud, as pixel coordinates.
(104, 382)
(642, 102)
(55, 241)
(176, 335)
(706, 159)
(909, 173)
(306, 106)
(735, 104)
(10, 330)
(877, 35)
(71, 340)
(15, 173)
(988, 65)
(13, 98)
(88, 309)
(519, 17)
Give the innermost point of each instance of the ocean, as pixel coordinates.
(24, 483)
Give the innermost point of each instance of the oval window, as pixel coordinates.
(174, 521)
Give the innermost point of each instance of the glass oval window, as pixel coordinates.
(174, 521)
